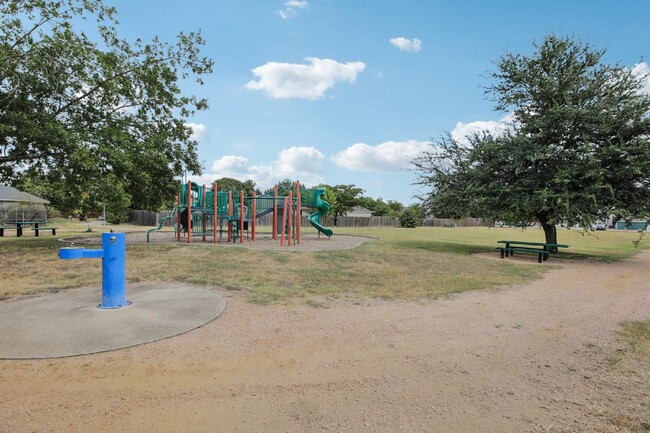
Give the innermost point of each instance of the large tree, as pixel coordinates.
(381, 208)
(99, 119)
(234, 185)
(577, 149)
(342, 198)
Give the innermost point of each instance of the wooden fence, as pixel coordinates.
(344, 221)
(455, 222)
(148, 218)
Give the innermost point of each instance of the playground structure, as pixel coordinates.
(209, 213)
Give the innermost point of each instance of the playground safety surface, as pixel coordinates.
(69, 323)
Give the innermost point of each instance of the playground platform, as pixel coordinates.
(69, 323)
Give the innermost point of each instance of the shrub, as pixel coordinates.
(412, 216)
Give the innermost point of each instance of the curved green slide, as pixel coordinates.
(323, 207)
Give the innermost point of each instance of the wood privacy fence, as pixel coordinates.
(455, 222)
(149, 218)
(344, 221)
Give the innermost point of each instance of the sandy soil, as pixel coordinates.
(528, 358)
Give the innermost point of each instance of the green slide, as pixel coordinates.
(323, 207)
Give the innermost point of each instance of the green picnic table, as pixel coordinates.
(541, 249)
(20, 225)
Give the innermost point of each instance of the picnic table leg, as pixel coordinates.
(539, 257)
(2, 232)
(36, 233)
(19, 231)
(502, 253)
(53, 232)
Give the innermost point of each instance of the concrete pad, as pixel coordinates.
(69, 323)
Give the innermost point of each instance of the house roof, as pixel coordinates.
(359, 211)
(8, 193)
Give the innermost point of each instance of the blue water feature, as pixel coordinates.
(113, 255)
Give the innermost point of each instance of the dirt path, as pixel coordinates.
(525, 359)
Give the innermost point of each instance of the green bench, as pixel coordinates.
(37, 229)
(542, 255)
(526, 247)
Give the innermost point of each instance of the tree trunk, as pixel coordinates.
(550, 232)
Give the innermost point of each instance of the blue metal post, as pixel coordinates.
(113, 255)
(114, 270)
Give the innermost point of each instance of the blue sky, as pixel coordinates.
(348, 91)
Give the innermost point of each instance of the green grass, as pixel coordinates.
(608, 245)
(422, 263)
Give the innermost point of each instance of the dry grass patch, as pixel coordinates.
(378, 269)
(633, 362)
(32, 266)
(634, 357)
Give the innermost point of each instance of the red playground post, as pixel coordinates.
(203, 221)
(253, 213)
(290, 219)
(298, 210)
(284, 218)
(189, 212)
(275, 213)
(298, 216)
(230, 215)
(241, 216)
(178, 217)
(214, 212)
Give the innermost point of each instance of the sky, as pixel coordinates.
(350, 91)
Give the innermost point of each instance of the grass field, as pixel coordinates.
(400, 264)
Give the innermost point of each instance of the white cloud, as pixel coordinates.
(413, 45)
(643, 70)
(291, 8)
(391, 156)
(199, 131)
(311, 81)
(297, 4)
(231, 164)
(462, 130)
(296, 163)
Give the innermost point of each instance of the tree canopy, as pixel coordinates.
(234, 185)
(284, 186)
(100, 118)
(381, 208)
(577, 149)
(342, 198)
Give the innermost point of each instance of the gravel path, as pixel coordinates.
(528, 358)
